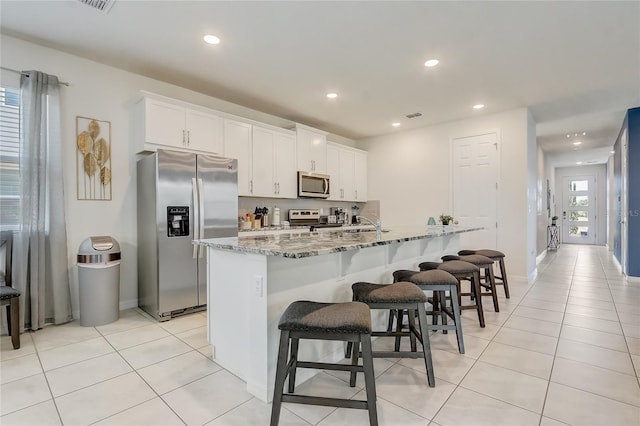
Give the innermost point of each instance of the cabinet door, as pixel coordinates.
(204, 132)
(347, 174)
(285, 166)
(264, 183)
(237, 144)
(360, 176)
(333, 170)
(164, 124)
(312, 151)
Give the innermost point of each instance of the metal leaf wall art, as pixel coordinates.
(93, 159)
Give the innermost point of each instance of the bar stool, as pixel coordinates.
(462, 271)
(439, 282)
(349, 322)
(497, 256)
(399, 296)
(485, 264)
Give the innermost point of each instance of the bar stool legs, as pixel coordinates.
(349, 322)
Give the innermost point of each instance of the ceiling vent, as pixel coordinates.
(414, 115)
(101, 5)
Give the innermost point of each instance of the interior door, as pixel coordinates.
(475, 174)
(579, 209)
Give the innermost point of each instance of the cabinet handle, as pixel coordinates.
(278, 188)
(275, 188)
(251, 186)
(188, 137)
(313, 165)
(184, 139)
(356, 194)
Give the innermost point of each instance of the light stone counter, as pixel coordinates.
(301, 243)
(251, 281)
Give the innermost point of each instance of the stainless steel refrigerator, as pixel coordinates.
(182, 197)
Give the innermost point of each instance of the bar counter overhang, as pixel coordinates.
(251, 281)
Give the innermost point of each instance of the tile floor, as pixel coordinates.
(563, 350)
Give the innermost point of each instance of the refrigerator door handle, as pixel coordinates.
(201, 215)
(196, 219)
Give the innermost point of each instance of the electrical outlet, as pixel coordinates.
(259, 287)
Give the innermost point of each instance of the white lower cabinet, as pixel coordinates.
(348, 170)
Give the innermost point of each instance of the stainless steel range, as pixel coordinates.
(299, 217)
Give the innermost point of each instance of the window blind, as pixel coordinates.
(9, 158)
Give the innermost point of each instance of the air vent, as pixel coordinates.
(414, 115)
(101, 5)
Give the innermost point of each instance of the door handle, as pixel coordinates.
(201, 214)
(196, 223)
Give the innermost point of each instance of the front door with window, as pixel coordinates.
(579, 209)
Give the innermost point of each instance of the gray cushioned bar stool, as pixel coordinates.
(439, 282)
(496, 256)
(462, 271)
(349, 322)
(485, 264)
(399, 296)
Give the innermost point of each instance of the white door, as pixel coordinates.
(579, 209)
(475, 188)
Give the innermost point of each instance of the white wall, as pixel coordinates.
(409, 172)
(600, 172)
(532, 197)
(106, 93)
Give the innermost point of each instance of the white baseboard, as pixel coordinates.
(541, 257)
(634, 280)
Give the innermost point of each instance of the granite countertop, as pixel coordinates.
(306, 244)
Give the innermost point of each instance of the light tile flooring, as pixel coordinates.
(564, 350)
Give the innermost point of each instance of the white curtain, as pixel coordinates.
(40, 256)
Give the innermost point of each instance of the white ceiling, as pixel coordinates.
(575, 64)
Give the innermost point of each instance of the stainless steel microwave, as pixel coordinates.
(313, 185)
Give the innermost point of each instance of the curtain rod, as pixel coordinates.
(64, 83)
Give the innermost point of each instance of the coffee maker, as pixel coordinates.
(339, 213)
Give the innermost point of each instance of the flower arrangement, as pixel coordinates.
(446, 219)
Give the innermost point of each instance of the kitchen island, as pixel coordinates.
(251, 281)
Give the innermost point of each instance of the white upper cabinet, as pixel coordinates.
(312, 149)
(237, 144)
(333, 170)
(274, 163)
(360, 176)
(204, 131)
(348, 170)
(173, 124)
(285, 165)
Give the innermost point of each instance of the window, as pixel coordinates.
(9, 158)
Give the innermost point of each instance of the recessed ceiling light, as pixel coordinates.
(395, 124)
(577, 143)
(578, 162)
(584, 133)
(568, 135)
(612, 152)
(332, 95)
(478, 106)
(575, 134)
(211, 39)
(431, 63)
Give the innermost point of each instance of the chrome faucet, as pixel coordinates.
(377, 224)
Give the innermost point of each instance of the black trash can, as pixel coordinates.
(99, 280)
